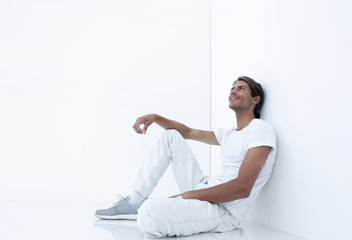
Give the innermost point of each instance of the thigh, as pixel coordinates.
(185, 166)
(182, 217)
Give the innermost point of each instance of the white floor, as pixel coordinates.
(57, 220)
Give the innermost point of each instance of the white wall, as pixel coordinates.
(301, 52)
(74, 76)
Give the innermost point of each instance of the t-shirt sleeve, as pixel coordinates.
(262, 135)
(219, 133)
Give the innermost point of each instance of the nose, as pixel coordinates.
(233, 92)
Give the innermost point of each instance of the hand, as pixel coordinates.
(175, 196)
(146, 120)
(185, 195)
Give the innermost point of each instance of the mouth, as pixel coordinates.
(234, 98)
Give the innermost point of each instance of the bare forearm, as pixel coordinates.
(186, 132)
(240, 187)
(221, 193)
(171, 124)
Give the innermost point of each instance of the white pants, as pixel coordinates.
(177, 216)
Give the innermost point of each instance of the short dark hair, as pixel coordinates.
(256, 90)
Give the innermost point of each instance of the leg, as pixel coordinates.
(171, 148)
(182, 217)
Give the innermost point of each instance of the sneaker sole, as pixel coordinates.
(118, 217)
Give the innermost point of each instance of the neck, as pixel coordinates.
(243, 120)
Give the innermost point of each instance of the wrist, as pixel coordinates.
(155, 117)
(187, 195)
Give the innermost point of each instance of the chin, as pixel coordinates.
(232, 107)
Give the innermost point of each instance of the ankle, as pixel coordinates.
(136, 198)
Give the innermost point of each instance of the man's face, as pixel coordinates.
(240, 97)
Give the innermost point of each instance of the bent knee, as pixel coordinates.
(172, 132)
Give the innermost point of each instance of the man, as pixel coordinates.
(216, 204)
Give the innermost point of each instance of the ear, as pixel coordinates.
(256, 100)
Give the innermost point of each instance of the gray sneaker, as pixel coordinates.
(121, 210)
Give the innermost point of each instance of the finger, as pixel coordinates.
(136, 127)
(174, 196)
(146, 125)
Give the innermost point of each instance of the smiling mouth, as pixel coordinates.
(234, 98)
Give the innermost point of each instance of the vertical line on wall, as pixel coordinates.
(210, 99)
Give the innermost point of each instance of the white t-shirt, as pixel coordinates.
(234, 145)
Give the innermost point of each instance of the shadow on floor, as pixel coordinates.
(128, 230)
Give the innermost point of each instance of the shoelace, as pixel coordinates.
(120, 198)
